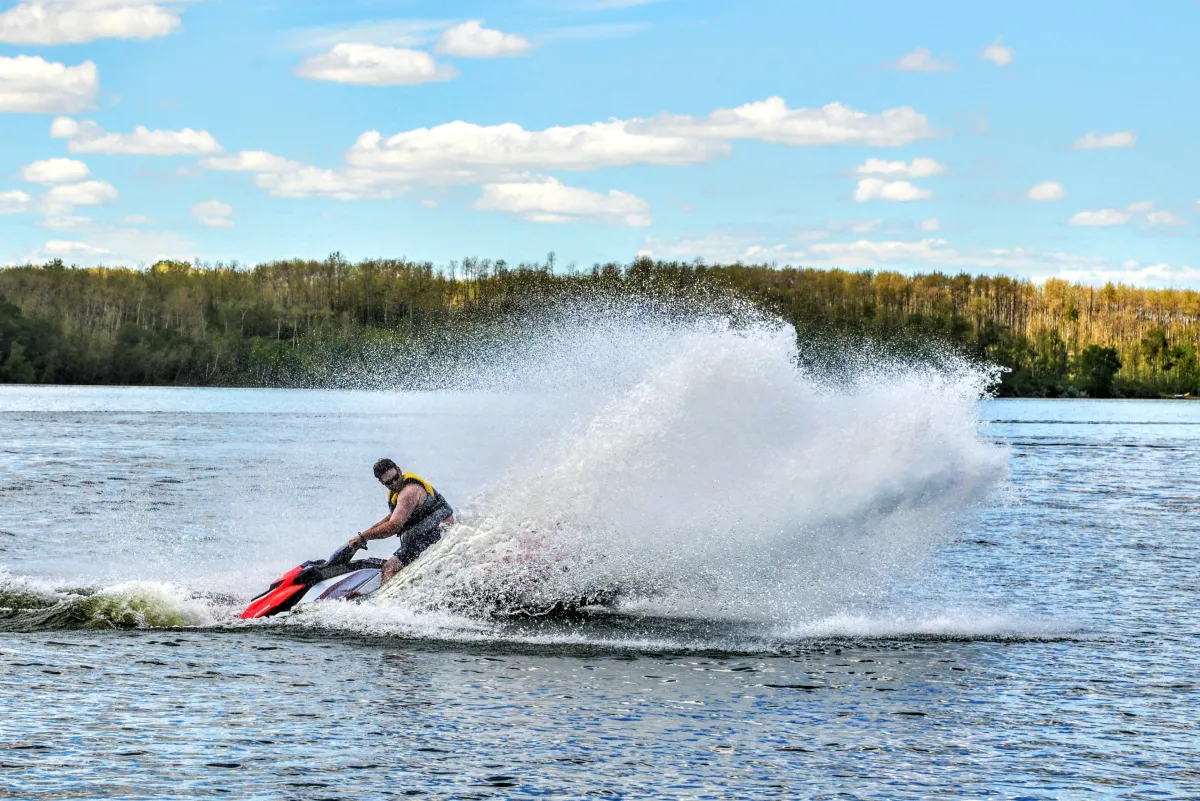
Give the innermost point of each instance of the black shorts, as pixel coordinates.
(424, 533)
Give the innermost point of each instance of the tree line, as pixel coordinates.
(292, 322)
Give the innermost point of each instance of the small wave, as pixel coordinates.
(28, 604)
(605, 630)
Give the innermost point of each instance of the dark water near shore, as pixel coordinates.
(1049, 649)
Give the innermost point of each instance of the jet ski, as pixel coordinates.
(337, 577)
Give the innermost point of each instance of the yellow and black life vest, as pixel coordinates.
(407, 478)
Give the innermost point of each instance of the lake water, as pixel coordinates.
(900, 594)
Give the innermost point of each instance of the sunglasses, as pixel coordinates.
(387, 482)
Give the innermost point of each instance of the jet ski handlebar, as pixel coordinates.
(344, 554)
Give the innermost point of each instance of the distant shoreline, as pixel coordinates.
(333, 323)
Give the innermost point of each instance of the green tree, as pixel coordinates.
(1096, 367)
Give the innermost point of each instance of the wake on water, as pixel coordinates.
(696, 472)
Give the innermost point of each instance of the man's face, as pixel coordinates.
(391, 478)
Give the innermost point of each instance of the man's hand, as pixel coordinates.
(357, 541)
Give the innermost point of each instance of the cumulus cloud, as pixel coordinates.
(919, 168)
(68, 222)
(117, 246)
(55, 171)
(1047, 191)
(214, 214)
(65, 249)
(374, 65)
(1165, 218)
(1132, 274)
(722, 248)
(1095, 141)
(1100, 218)
(458, 151)
(926, 253)
(88, 137)
(922, 254)
(463, 153)
(14, 201)
(250, 161)
(771, 120)
(61, 200)
(32, 85)
(895, 191)
(56, 22)
(998, 54)
(1141, 207)
(283, 177)
(394, 32)
(546, 200)
(931, 224)
(920, 60)
(472, 40)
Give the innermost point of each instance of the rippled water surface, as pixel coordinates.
(1048, 647)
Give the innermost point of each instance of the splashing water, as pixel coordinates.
(30, 605)
(699, 471)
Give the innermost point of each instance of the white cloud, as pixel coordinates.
(457, 152)
(395, 33)
(998, 54)
(919, 168)
(1047, 191)
(1141, 207)
(429, 203)
(1100, 218)
(136, 219)
(283, 177)
(68, 222)
(920, 60)
(1165, 218)
(472, 40)
(60, 200)
(1095, 141)
(214, 214)
(14, 201)
(1152, 275)
(921, 255)
(64, 249)
(853, 226)
(55, 171)
(120, 246)
(896, 191)
(771, 120)
(463, 153)
(932, 224)
(545, 200)
(56, 22)
(32, 85)
(88, 137)
(351, 184)
(374, 65)
(250, 161)
(722, 248)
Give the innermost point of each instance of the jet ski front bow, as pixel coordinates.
(322, 580)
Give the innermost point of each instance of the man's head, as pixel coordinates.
(388, 473)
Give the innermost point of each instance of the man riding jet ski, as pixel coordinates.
(417, 513)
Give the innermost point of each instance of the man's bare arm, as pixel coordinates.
(412, 496)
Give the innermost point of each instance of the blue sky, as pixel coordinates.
(1030, 139)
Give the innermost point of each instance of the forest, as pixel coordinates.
(297, 322)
